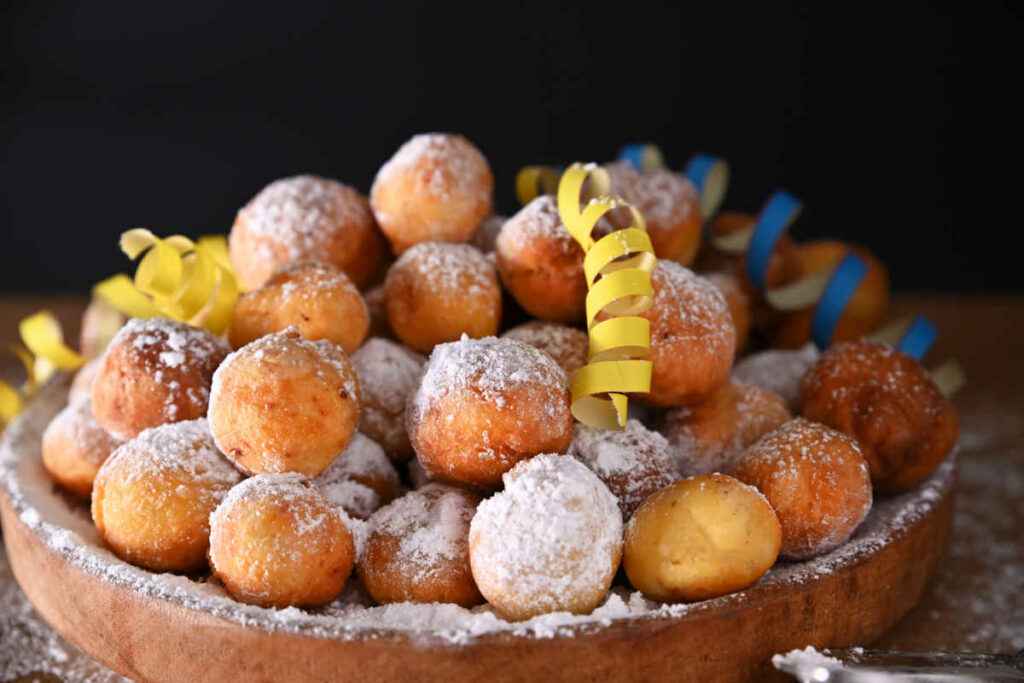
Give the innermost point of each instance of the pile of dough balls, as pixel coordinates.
(391, 406)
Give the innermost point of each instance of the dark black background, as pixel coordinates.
(171, 115)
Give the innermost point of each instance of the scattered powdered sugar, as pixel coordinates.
(447, 167)
(779, 371)
(494, 369)
(487, 233)
(310, 281)
(446, 269)
(388, 375)
(633, 462)
(692, 309)
(552, 537)
(356, 499)
(665, 198)
(346, 481)
(807, 665)
(304, 213)
(567, 345)
(76, 425)
(537, 221)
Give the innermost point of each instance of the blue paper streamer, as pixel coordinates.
(698, 168)
(641, 156)
(918, 338)
(840, 289)
(778, 213)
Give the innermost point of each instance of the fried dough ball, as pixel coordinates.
(436, 292)
(887, 401)
(100, 323)
(550, 542)
(541, 264)
(712, 259)
(284, 404)
(417, 549)
(710, 436)
(155, 371)
(152, 498)
(74, 447)
(700, 538)
(778, 371)
(485, 404)
(436, 188)
(388, 375)
(487, 234)
(316, 299)
(81, 385)
(863, 314)
(567, 345)
(633, 462)
(305, 218)
(670, 206)
(738, 302)
(277, 542)
(817, 481)
(361, 479)
(692, 337)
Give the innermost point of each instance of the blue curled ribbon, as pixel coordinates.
(699, 171)
(918, 338)
(641, 156)
(842, 285)
(776, 216)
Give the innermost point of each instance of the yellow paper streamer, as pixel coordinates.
(43, 354)
(176, 278)
(618, 272)
(533, 181)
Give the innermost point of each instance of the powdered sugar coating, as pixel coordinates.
(455, 270)
(695, 307)
(550, 541)
(568, 346)
(665, 198)
(445, 166)
(289, 491)
(537, 221)
(778, 370)
(76, 425)
(388, 375)
(354, 480)
(633, 462)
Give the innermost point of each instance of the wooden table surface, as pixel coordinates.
(975, 603)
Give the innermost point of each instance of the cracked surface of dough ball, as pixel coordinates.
(75, 446)
(155, 371)
(541, 264)
(692, 337)
(437, 291)
(388, 375)
(436, 188)
(700, 538)
(711, 436)
(152, 498)
(417, 548)
(889, 404)
(567, 345)
(275, 541)
(316, 299)
(633, 462)
(485, 404)
(550, 542)
(305, 218)
(284, 404)
(361, 479)
(817, 481)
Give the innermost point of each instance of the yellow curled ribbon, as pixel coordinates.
(618, 272)
(176, 278)
(44, 353)
(533, 181)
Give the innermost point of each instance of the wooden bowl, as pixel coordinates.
(169, 628)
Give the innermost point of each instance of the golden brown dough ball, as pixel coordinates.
(710, 258)
(710, 436)
(567, 345)
(152, 498)
(81, 385)
(550, 542)
(284, 404)
(738, 302)
(100, 323)
(633, 462)
(388, 375)
(888, 403)
(304, 218)
(316, 299)
(692, 337)
(155, 371)
(74, 448)
(485, 404)
(417, 548)
(436, 292)
(701, 538)
(361, 479)
(778, 371)
(277, 542)
(541, 264)
(436, 188)
(816, 479)
(670, 206)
